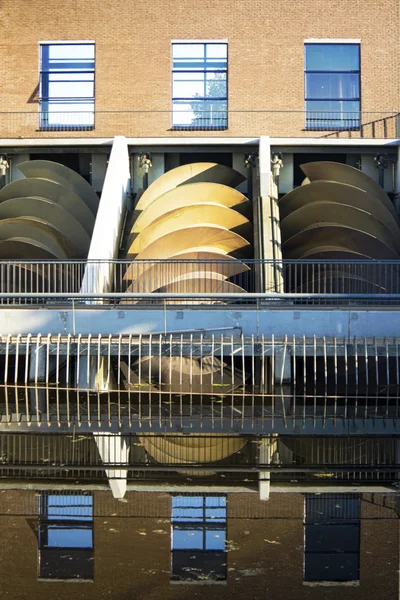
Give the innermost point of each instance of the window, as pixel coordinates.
(199, 85)
(66, 86)
(65, 536)
(332, 86)
(198, 538)
(332, 538)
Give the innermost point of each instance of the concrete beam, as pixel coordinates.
(269, 229)
(318, 321)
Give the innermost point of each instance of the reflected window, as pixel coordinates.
(67, 86)
(332, 86)
(198, 538)
(66, 537)
(199, 86)
(332, 538)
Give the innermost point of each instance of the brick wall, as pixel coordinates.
(133, 56)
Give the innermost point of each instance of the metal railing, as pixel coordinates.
(139, 283)
(168, 123)
(50, 456)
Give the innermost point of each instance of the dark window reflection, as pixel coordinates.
(198, 538)
(332, 538)
(66, 536)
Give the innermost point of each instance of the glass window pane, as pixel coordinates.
(217, 50)
(199, 57)
(187, 89)
(200, 113)
(188, 50)
(326, 507)
(216, 514)
(332, 57)
(187, 539)
(332, 85)
(215, 539)
(332, 567)
(187, 514)
(216, 501)
(216, 85)
(69, 514)
(70, 89)
(61, 537)
(187, 501)
(339, 106)
(72, 504)
(71, 51)
(70, 77)
(333, 537)
(68, 66)
(67, 114)
(188, 56)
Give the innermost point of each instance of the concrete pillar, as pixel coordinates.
(109, 220)
(264, 474)
(114, 449)
(270, 239)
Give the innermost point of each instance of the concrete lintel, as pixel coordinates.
(192, 141)
(306, 141)
(68, 142)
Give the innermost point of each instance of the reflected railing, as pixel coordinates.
(201, 459)
(53, 409)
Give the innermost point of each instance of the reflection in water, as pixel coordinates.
(240, 412)
(332, 537)
(198, 538)
(65, 536)
(143, 546)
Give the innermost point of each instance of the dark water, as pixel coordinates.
(184, 542)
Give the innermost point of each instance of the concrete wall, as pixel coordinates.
(369, 168)
(15, 161)
(133, 56)
(132, 552)
(286, 174)
(99, 169)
